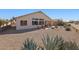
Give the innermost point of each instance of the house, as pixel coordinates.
(33, 20)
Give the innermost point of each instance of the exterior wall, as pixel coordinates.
(29, 21)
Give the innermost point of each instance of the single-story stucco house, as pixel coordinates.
(33, 20)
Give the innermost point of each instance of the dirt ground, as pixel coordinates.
(14, 41)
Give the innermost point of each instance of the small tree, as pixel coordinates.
(59, 23)
(2, 22)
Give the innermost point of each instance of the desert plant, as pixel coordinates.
(68, 24)
(67, 29)
(59, 23)
(29, 45)
(57, 43)
(50, 43)
(2, 21)
(70, 45)
(54, 43)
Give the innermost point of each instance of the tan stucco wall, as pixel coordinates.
(29, 20)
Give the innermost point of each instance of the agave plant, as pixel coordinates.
(70, 46)
(29, 45)
(54, 43)
(50, 43)
(57, 43)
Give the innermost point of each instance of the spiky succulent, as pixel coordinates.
(50, 43)
(29, 45)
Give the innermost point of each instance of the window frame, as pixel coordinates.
(23, 22)
(41, 22)
(35, 22)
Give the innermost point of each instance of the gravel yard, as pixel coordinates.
(14, 41)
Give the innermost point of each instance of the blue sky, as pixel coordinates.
(66, 14)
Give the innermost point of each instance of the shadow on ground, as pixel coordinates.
(14, 31)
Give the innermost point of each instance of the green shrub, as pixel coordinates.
(2, 22)
(59, 23)
(69, 25)
(68, 29)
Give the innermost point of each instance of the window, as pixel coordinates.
(37, 21)
(23, 22)
(34, 22)
(41, 22)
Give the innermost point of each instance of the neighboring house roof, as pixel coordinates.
(33, 13)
